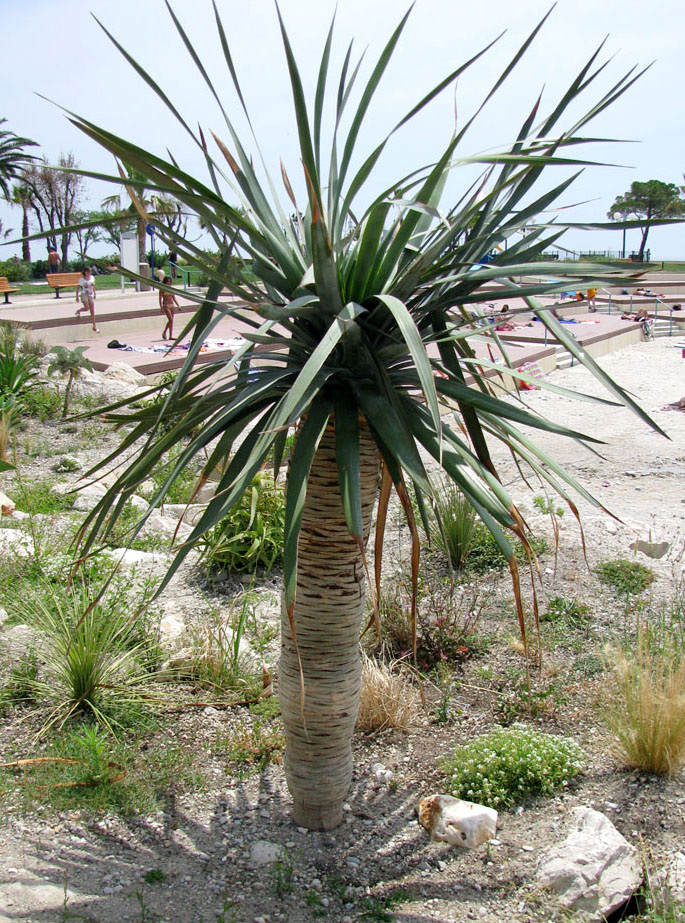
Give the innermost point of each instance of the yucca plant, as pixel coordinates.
(355, 300)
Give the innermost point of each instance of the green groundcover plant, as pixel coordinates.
(509, 765)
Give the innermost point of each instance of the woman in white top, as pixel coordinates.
(86, 294)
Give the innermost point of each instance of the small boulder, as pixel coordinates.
(119, 371)
(14, 541)
(595, 870)
(3, 617)
(171, 628)
(262, 852)
(459, 823)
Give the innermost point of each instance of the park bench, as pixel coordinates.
(58, 280)
(6, 289)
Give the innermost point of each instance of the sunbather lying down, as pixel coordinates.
(676, 405)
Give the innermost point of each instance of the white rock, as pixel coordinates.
(129, 557)
(3, 617)
(595, 870)
(18, 641)
(6, 505)
(611, 527)
(457, 822)
(171, 628)
(138, 503)
(191, 514)
(14, 541)
(20, 515)
(119, 371)
(262, 852)
(179, 664)
(381, 772)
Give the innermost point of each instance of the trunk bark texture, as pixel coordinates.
(329, 609)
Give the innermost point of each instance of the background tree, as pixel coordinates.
(648, 202)
(55, 196)
(21, 198)
(363, 337)
(69, 362)
(13, 157)
(89, 232)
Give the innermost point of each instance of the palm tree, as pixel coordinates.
(12, 157)
(21, 197)
(364, 343)
(69, 362)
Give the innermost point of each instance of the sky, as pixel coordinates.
(56, 48)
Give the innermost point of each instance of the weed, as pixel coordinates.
(508, 765)
(230, 907)
(525, 699)
(645, 706)
(380, 908)
(567, 611)
(42, 402)
(282, 876)
(37, 497)
(154, 876)
(266, 709)
(220, 660)
(146, 915)
(445, 683)
(19, 687)
(250, 748)
(625, 577)
(387, 698)
(544, 506)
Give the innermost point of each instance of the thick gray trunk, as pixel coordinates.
(329, 609)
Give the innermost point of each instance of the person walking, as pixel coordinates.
(168, 305)
(85, 292)
(53, 259)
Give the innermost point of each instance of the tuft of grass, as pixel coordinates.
(220, 658)
(486, 554)
(387, 698)
(645, 706)
(509, 765)
(154, 876)
(625, 577)
(93, 653)
(543, 504)
(455, 524)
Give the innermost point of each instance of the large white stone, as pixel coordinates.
(129, 557)
(190, 514)
(119, 371)
(595, 870)
(459, 823)
(14, 541)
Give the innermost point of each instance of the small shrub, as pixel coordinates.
(487, 555)
(154, 876)
(252, 533)
(42, 403)
(387, 698)
(523, 698)
(645, 706)
(508, 765)
(447, 617)
(625, 577)
(38, 497)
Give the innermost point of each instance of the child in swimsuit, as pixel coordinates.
(167, 305)
(85, 293)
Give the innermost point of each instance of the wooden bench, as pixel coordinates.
(58, 280)
(6, 289)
